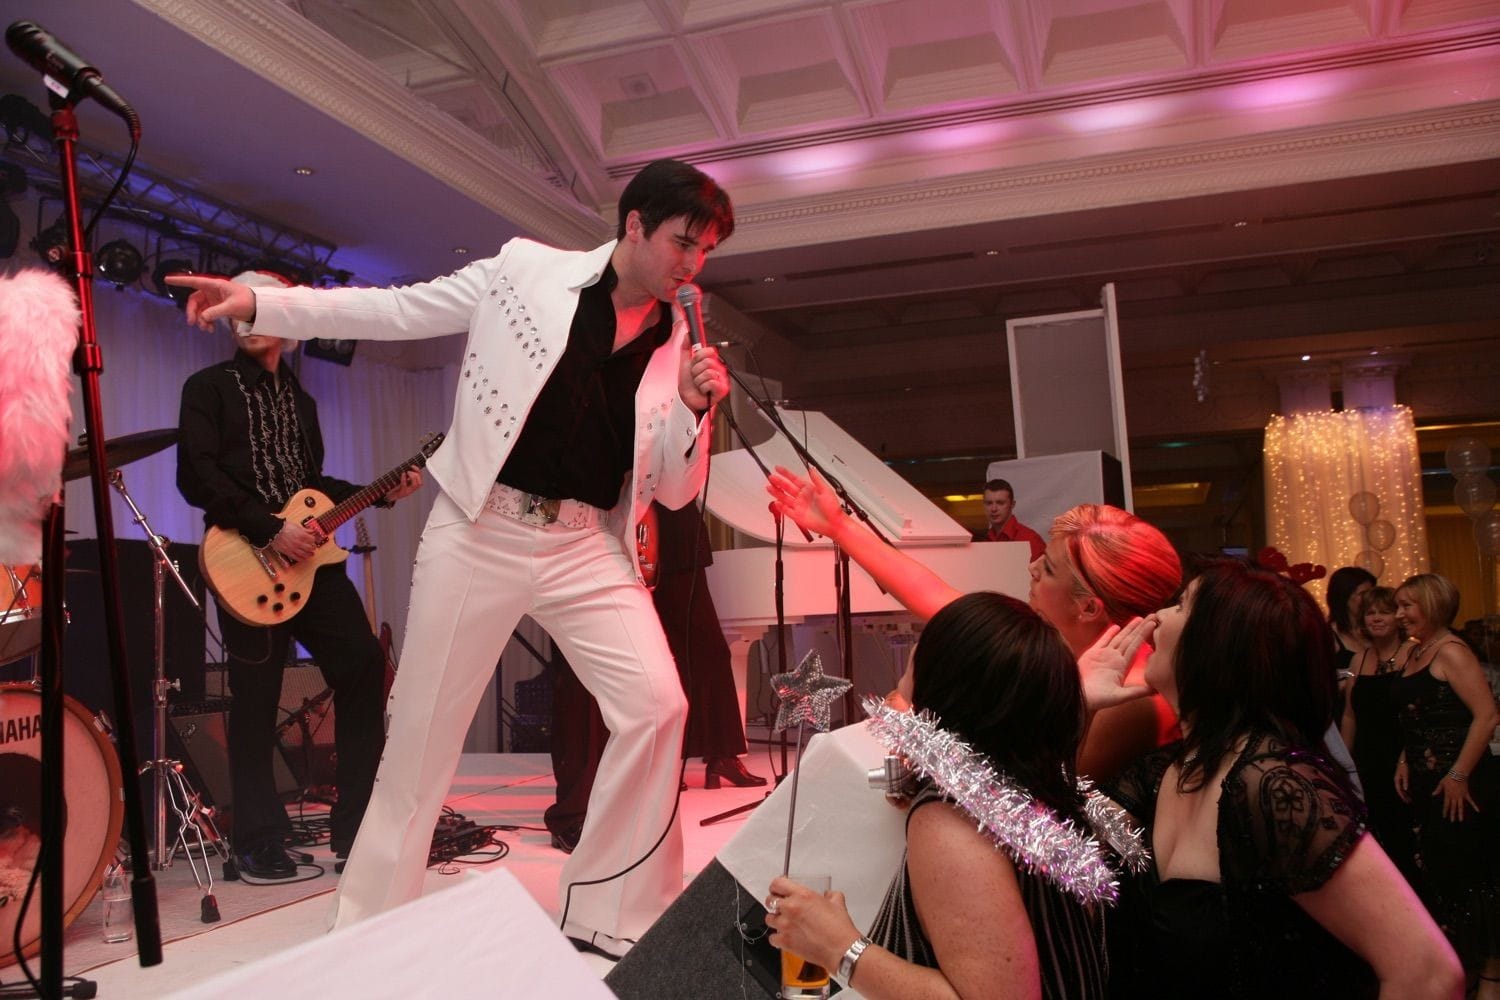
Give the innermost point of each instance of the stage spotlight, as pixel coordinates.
(51, 244)
(120, 263)
(172, 265)
(340, 352)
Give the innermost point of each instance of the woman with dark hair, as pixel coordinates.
(962, 918)
(1369, 727)
(1264, 882)
(1447, 715)
(1344, 587)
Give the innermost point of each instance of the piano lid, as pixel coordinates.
(737, 488)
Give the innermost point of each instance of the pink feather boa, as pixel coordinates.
(38, 331)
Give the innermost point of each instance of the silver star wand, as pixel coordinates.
(807, 697)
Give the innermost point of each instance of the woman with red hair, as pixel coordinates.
(1104, 566)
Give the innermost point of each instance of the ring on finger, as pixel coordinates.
(772, 904)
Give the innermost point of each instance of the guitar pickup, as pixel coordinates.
(265, 562)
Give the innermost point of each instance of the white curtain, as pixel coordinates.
(1345, 489)
(373, 416)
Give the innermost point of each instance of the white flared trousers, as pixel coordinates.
(471, 584)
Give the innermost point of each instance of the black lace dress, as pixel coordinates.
(1287, 820)
(1460, 862)
(1069, 936)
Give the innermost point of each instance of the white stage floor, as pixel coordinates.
(490, 789)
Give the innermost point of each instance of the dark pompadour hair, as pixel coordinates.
(665, 189)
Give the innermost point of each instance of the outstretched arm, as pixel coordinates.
(815, 507)
(215, 298)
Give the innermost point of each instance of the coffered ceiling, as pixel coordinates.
(1259, 178)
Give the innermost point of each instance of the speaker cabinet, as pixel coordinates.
(199, 738)
(86, 670)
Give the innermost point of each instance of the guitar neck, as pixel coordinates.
(353, 504)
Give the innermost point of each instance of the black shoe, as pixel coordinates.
(566, 840)
(267, 861)
(732, 770)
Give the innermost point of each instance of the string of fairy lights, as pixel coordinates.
(1344, 488)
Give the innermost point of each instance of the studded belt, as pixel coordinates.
(529, 508)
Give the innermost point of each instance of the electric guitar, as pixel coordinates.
(260, 586)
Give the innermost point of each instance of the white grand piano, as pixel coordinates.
(742, 579)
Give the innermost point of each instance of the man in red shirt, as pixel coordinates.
(999, 509)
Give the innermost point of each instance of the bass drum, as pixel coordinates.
(20, 611)
(93, 806)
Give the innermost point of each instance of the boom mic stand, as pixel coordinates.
(88, 362)
(841, 564)
(169, 784)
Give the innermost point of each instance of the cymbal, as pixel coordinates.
(119, 451)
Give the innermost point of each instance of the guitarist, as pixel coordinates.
(248, 441)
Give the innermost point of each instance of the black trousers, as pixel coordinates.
(332, 626)
(714, 728)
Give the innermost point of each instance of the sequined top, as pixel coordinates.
(1069, 936)
(1434, 724)
(1287, 820)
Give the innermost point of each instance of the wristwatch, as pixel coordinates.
(850, 959)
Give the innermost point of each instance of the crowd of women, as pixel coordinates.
(1204, 704)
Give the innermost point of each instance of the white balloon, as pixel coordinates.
(1380, 534)
(1487, 533)
(1371, 560)
(1467, 455)
(1364, 507)
(1474, 494)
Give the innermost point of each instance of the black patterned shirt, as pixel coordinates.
(247, 442)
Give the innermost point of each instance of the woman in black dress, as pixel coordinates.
(1448, 715)
(1369, 726)
(1264, 882)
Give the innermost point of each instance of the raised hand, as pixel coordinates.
(811, 503)
(1104, 665)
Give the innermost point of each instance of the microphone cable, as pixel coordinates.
(685, 679)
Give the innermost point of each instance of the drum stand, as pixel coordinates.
(171, 786)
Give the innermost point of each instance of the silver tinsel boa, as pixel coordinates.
(1030, 832)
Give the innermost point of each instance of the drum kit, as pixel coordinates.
(93, 788)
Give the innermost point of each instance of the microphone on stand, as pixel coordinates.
(63, 70)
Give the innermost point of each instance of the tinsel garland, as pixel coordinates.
(1031, 833)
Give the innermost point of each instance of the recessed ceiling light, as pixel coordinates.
(303, 171)
(769, 279)
(1241, 224)
(992, 253)
(1307, 357)
(460, 250)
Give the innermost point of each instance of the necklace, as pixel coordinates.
(1424, 647)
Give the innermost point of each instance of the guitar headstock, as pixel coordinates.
(361, 535)
(429, 445)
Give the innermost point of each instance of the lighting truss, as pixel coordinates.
(173, 210)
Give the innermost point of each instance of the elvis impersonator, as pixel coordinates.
(580, 400)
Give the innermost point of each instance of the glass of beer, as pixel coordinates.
(801, 979)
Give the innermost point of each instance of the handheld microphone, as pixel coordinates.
(63, 71)
(690, 297)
